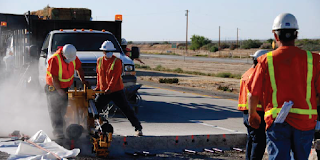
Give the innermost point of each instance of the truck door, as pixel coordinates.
(43, 61)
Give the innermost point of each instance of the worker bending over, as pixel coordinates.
(286, 74)
(256, 139)
(109, 70)
(60, 75)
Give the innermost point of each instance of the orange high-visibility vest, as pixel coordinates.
(244, 92)
(305, 113)
(109, 74)
(65, 75)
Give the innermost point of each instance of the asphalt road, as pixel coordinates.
(170, 112)
(221, 60)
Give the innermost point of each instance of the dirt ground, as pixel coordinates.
(201, 82)
(167, 49)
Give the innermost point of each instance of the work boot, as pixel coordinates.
(138, 133)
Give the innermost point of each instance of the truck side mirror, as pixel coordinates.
(34, 51)
(44, 53)
(135, 52)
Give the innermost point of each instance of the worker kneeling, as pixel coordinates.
(60, 75)
(109, 69)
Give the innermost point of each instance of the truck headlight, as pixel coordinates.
(128, 68)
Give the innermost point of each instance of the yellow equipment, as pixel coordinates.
(82, 113)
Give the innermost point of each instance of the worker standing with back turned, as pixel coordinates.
(60, 75)
(256, 138)
(283, 75)
(109, 70)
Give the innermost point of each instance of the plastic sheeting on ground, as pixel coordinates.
(21, 150)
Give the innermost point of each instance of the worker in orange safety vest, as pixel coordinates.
(287, 74)
(60, 76)
(256, 138)
(109, 80)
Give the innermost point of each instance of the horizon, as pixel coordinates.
(166, 21)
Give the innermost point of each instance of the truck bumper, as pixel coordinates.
(128, 80)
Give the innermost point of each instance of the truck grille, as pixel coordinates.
(89, 69)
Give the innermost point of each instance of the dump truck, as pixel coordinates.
(30, 41)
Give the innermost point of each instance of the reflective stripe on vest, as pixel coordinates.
(274, 111)
(60, 70)
(100, 63)
(246, 105)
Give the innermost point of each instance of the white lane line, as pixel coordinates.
(210, 125)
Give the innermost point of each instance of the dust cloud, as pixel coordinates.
(22, 107)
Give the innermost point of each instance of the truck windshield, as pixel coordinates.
(83, 41)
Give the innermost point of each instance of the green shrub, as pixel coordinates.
(214, 49)
(225, 88)
(269, 41)
(159, 68)
(228, 75)
(198, 41)
(208, 46)
(266, 46)
(224, 45)
(309, 44)
(251, 44)
(168, 80)
(142, 66)
(233, 46)
(200, 55)
(178, 70)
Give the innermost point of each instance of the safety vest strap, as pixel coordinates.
(60, 69)
(272, 80)
(100, 63)
(114, 61)
(309, 79)
(246, 105)
(274, 111)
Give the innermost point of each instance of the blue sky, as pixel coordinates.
(165, 20)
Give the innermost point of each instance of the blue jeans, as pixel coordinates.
(283, 138)
(256, 139)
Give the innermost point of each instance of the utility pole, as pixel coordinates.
(219, 42)
(237, 36)
(219, 37)
(184, 58)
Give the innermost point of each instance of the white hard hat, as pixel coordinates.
(285, 21)
(124, 42)
(107, 46)
(70, 52)
(259, 53)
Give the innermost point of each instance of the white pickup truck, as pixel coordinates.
(87, 43)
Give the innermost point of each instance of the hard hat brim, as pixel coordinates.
(102, 49)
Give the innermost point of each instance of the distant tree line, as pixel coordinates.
(203, 43)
